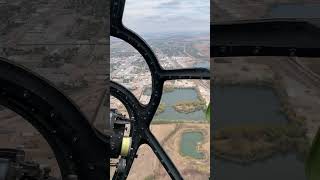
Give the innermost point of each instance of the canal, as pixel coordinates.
(246, 105)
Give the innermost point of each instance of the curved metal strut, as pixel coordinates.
(144, 114)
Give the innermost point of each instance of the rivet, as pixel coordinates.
(72, 177)
(52, 114)
(75, 139)
(25, 94)
(91, 167)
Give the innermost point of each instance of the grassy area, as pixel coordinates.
(254, 142)
(247, 143)
(161, 108)
(208, 112)
(190, 106)
(168, 88)
(150, 177)
(164, 121)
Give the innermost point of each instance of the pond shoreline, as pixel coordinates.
(198, 146)
(264, 148)
(172, 108)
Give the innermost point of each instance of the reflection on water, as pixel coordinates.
(189, 144)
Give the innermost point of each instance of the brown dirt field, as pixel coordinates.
(146, 163)
(169, 136)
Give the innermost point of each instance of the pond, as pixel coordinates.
(242, 105)
(234, 105)
(189, 144)
(171, 98)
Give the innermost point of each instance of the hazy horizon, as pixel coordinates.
(149, 17)
(162, 35)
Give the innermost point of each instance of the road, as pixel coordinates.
(295, 69)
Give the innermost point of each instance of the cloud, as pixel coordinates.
(147, 16)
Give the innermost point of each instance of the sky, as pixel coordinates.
(167, 16)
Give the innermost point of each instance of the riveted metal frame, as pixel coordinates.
(143, 114)
(266, 37)
(81, 151)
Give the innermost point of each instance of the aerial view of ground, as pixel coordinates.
(170, 137)
(30, 140)
(64, 42)
(180, 124)
(68, 48)
(273, 98)
(286, 115)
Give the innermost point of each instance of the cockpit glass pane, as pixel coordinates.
(178, 31)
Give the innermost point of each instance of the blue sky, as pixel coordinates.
(162, 16)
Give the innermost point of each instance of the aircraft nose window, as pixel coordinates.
(24, 150)
(129, 68)
(177, 31)
(170, 46)
(152, 170)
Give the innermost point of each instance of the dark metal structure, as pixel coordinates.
(143, 114)
(266, 37)
(82, 151)
(13, 165)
